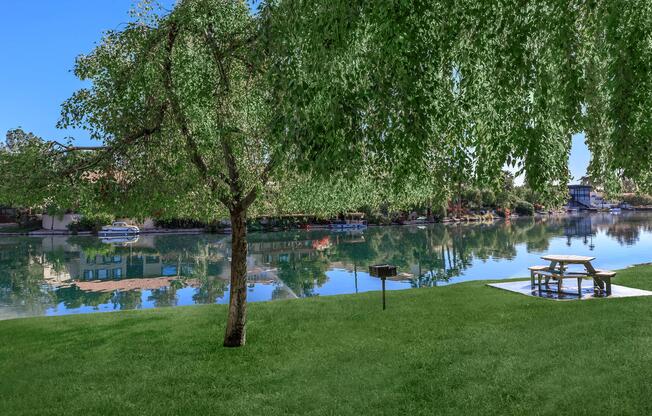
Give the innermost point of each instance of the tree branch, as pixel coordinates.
(218, 54)
(106, 152)
(232, 167)
(191, 144)
(264, 178)
(65, 148)
(232, 47)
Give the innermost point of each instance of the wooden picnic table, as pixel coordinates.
(557, 268)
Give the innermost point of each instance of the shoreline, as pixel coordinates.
(46, 233)
(470, 219)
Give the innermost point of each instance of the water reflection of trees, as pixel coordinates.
(128, 299)
(206, 267)
(73, 297)
(303, 274)
(33, 271)
(37, 274)
(626, 229)
(440, 252)
(164, 296)
(21, 276)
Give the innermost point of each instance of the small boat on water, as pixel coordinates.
(615, 210)
(117, 229)
(348, 225)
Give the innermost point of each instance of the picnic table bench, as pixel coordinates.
(557, 270)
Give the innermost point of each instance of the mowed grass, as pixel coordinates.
(461, 349)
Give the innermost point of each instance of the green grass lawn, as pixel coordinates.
(461, 349)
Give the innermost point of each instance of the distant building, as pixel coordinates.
(583, 197)
(58, 222)
(579, 196)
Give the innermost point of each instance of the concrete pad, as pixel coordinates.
(569, 290)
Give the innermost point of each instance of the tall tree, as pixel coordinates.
(190, 87)
(168, 90)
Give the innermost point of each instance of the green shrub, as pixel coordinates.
(523, 208)
(637, 199)
(488, 198)
(473, 198)
(439, 211)
(92, 223)
(178, 223)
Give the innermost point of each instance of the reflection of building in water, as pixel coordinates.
(262, 275)
(283, 250)
(56, 277)
(102, 267)
(273, 252)
(137, 271)
(130, 284)
(580, 227)
(624, 228)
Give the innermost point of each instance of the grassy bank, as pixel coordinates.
(461, 349)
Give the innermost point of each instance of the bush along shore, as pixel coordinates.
(270, 224)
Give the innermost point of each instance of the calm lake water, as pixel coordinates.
(64, 275)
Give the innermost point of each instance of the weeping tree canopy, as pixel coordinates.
(617, 56)
(441, 92)
(323, 105)
(438, 92)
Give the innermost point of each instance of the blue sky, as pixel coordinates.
(39, 40)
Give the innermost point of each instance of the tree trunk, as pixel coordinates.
(235, 327)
